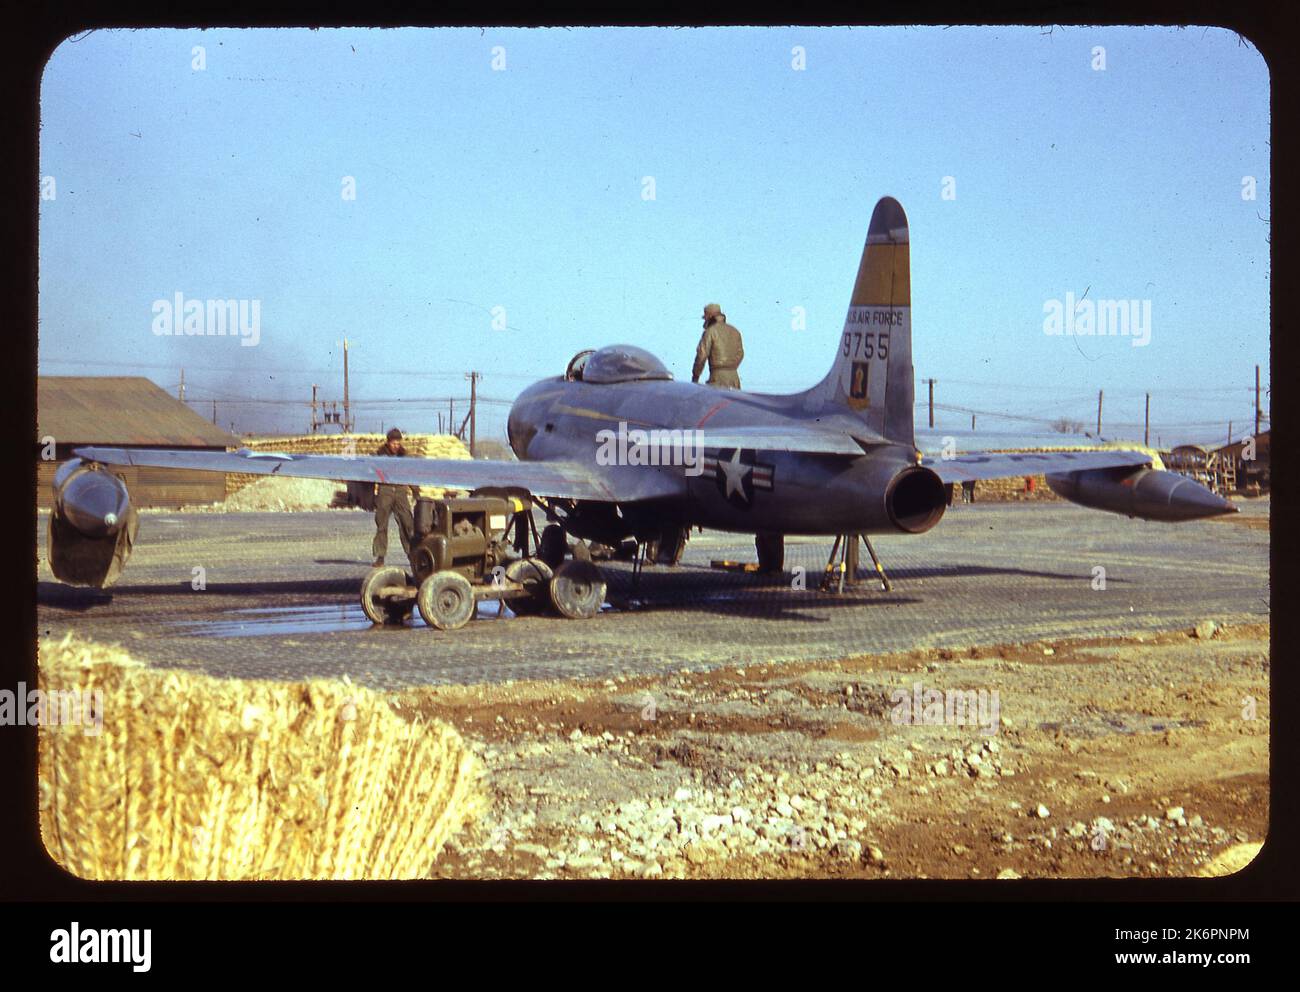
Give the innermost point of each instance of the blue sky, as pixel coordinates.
(524, 188)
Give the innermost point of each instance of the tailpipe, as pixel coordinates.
(1152, 494)
(92, 525)
(915, 500)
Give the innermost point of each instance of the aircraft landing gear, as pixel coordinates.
(771, 553)
(552, 546)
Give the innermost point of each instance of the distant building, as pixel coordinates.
(1252, 472)
(125, 412)
(1225, 469)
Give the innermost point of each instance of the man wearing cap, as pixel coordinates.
(721, 347)
(390, 499)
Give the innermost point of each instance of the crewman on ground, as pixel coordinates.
(721, 346)
(391, 500)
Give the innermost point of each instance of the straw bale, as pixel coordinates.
(193, 777)
(418, 445)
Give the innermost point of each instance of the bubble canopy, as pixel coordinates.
(623, 363)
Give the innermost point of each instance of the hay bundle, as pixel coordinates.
(1231, 860)
(201, 778)
(418, 445)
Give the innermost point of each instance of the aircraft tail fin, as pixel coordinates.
(872, 375)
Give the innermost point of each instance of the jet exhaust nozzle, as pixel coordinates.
(1152, 494)
(915, 500)
(92, 525)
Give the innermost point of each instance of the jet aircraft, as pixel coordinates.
(596, 449)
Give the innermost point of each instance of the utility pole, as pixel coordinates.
(1230, 432)
(214, 411)
(931, 382)
(473, 404)
(181, 393)
(347, 408)
(1146, 430)
(1099, 396)
(1257, 411)
(972, 423)
(314, 422)
(451, 415)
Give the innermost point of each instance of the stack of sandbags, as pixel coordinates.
(274, 492)
(418, 445)
(192, 777)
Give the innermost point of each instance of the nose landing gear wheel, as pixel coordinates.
(577, 591)
(552, 545)
(535, 576)
(390, 609)
(446, 600)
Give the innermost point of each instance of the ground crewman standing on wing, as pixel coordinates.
(390, 499)
(721, 346)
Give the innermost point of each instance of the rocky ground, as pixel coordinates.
(1142, 756)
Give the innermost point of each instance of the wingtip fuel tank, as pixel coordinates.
(1152, 494)
(92, 525)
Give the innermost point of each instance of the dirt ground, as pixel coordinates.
(1145, 756)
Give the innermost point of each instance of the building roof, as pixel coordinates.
(122, 410)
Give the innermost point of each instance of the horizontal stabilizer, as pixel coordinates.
(806, 440)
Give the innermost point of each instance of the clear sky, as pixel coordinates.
(512, 169)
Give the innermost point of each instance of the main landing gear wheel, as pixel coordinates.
(385, 609)
(552, 545)
(446, 600)
(771, 553)
(577, 591)
(535, 576)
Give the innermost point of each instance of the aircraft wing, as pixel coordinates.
(559, 479)
(975, 466)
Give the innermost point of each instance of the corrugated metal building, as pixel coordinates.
(125, 412)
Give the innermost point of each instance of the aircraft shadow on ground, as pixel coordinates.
(80, 598)
(685, 588)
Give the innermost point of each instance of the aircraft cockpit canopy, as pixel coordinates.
(622, 363)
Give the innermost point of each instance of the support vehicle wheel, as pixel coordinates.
(552, 545)
(385, 610)
(446, 600)
(577, 590)
(535, 576)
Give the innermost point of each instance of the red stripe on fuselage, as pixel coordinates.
(712, 410)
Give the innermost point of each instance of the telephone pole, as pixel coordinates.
(473, 404)
(931, 382)
(1099, 396)
(214, 411)
(1146, 430)
(180, 395)
(347, 408)
(1257, 411)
